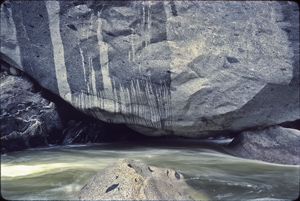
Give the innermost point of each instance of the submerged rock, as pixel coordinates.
(26, 118)
(274, 144)
(187, 68)
(133, 180)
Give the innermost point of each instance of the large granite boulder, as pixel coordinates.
(188, 68)
(274, 144)
(133, 180)
(27, 120)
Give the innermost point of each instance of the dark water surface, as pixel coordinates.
(59, 172)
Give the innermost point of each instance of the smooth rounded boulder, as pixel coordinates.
(186, 68)
(274, 144)
(128, 179)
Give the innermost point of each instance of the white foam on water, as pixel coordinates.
(26, 170)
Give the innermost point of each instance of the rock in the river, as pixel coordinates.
(133, 180)
(26, 118)
(275, 145)
(188, 68)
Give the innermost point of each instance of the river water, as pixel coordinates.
(59, 172)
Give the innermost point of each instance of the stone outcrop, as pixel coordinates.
(26, 119)
(187, 68)
(274, 144)
(133, 180)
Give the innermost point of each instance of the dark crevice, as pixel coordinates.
(150, 169)
(291, 124)
(177, 175)
(112, 187)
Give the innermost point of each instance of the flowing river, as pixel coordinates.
(59, 172)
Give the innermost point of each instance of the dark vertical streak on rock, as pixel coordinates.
(158, 23)
(73, 58)
(173, 8)
(146, 18)
(98, 74)
(35, 41)
(291, 28)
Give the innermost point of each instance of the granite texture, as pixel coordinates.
(186, 68)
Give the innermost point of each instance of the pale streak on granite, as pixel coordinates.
(53, 9)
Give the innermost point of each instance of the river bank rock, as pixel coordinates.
(133, 180)
(274, 144)
(186, 68)
(26, 119)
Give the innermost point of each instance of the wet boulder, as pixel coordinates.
(27, 120)
(133, 180)
(186, 68)
(274, 144)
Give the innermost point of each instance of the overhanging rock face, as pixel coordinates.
(185, 68)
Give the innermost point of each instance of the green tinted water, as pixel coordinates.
(59, 172)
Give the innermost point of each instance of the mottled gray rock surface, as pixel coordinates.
(275, 145)
(26, 119)
(188, 68)
(133, 180)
